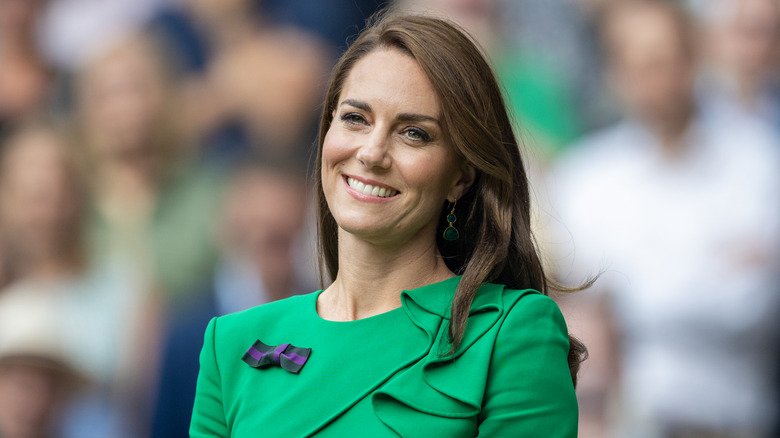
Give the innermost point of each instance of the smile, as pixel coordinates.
(368, 189)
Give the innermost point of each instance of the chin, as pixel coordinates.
(362, 227)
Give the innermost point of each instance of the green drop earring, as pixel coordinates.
(451, 233)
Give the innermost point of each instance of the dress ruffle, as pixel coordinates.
(454, 384)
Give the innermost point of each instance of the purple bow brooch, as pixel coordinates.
(287, 356)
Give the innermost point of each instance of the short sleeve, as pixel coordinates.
(530, 390)
(208, 415)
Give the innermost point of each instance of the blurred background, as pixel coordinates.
(154, 173)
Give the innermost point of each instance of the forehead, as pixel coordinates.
(392, 80)
(641, 31)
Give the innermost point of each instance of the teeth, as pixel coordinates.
(368, 189)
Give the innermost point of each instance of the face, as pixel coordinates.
(265, 235)
(122, 97)
(387, 168)
(651, 71)
(38, 199)
(747, 42)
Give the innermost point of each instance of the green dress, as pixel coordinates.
(389, 375)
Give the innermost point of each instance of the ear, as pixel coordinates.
(466, 176)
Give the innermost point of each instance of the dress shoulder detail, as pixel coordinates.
(434, 389)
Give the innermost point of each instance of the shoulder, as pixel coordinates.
(284, 312)
(529, 389)
(530, 309)
(518, 312)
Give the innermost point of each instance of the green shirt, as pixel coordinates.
(389, 375)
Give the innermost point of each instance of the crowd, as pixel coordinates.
(154, 173)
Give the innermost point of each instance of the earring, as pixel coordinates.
(451, 233)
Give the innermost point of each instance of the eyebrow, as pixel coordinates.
(404, 117)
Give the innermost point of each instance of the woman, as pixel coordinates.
(151, 206)
(419, 178)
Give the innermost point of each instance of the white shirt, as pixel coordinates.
(690, 248)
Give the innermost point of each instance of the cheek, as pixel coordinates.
(335, 148)
(432, 173)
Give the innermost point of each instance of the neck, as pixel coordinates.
(671, 132)
(130, 188)
(371, 277)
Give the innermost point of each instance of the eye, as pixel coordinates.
(353, 118)
(417, 134)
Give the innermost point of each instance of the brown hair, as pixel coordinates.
(495, 243)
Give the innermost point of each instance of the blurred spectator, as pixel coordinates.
(741, 39)
(271, 82)
(248, 83)
(40, 205)
(24, 76)
(37, 376)
(678, 202)
(153, 209)
(262, 237)
(193, 30)
(263, 247)
(98, 309)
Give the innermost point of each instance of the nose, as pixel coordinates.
(373, 153)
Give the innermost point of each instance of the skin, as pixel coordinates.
(24, 79)
(38, 204)
(385, 130)
(121, 96)
(651, 72)
(743, 45)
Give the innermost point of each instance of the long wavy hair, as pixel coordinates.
(496, 244)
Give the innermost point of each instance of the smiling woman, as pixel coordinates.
(418, 334)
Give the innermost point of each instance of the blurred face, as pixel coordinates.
(38, 202)
(18, 15)
(28, 395)
(387, 168)
(122, 97)
(265, 235)
(650, 70)
(747, 42)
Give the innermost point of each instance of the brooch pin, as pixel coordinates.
(287, 356)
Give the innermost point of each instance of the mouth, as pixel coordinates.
(370, 189)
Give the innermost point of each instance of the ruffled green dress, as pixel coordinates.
(389, 375)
